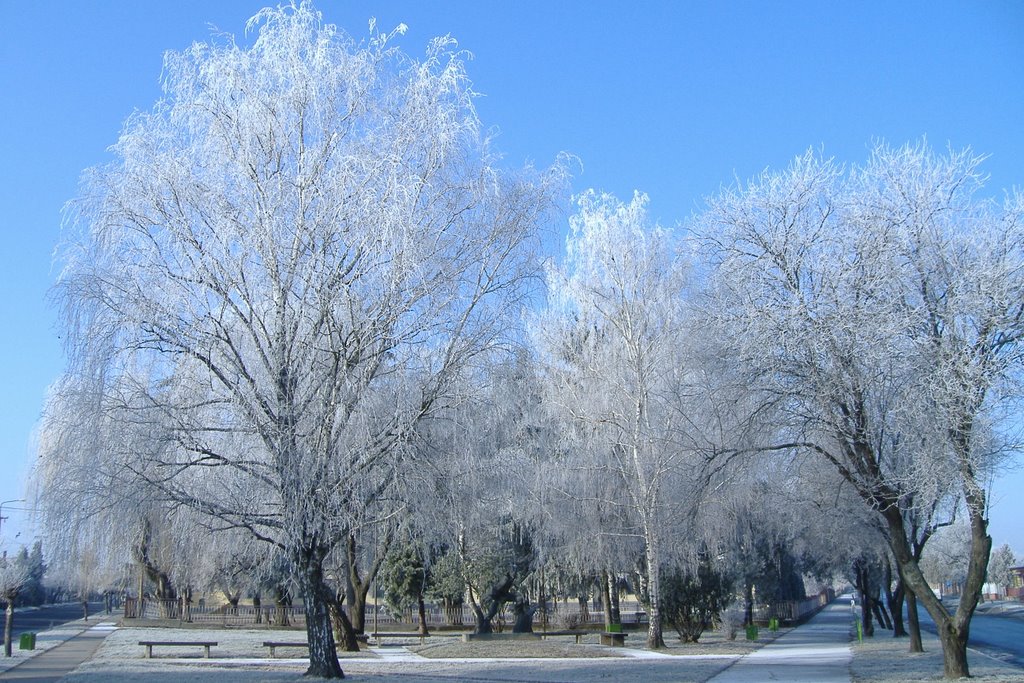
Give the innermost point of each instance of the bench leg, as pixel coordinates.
(149, 652)
(272, 652)
(207, 648)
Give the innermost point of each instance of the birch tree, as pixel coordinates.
(289, 258)
(614, 339)
(880, 310)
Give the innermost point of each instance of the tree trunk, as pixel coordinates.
(581, 600)
(323, 657)
(282, 601)
(881, 616)
(357, 603)
(865, 616)
(862, 580)
(524, 616)
(606, 600)
(344, 631)
(483, 624)
(655, 637)
(953, 630)
(613, 590)
(748, 603)
(895, 599)
(499, 595)
(8, 625)
(914, 623)
(421, 608)
(359, 587)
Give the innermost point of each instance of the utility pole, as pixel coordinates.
(2, 518)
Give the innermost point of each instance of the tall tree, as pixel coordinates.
(615, 339)
(881, 311)
(288, 260)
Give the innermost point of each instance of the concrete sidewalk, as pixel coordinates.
(815, 652)
(49, 666)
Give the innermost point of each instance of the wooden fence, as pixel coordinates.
(215, 615)
(555, 615)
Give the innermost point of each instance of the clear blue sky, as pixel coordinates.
(672, 98)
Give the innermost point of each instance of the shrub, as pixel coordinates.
(692, 600)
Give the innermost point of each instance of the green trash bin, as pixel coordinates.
(28, 641)
(752, 632)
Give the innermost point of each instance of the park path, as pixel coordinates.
(815, 652)
(53, 664)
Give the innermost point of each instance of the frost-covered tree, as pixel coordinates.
(33, 592)
(481, 458)
(999, 566)
(944, 561)
(880, 311)
(98, 507)
(14, 573)
(617, 348)
(288, 260)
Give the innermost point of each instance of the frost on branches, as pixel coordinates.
(879, 310)
(290, 258)
(618, 347)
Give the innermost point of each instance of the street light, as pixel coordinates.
(12, 500)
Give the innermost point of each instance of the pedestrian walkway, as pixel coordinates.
(396, 654)
(53, 664)
(816, 652)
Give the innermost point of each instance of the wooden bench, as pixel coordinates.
(570, 632)
(206, 645)
(274, 644)
(379, 637)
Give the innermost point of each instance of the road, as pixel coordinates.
(51, 615)
(1001, 637)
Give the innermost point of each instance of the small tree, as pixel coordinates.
(33, 592)
(447, 586)
(405, 577)
(999, 566)
(13, 575)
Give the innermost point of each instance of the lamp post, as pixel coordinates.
(12, 500)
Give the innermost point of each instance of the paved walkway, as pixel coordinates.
(816, 652)
(53, 664)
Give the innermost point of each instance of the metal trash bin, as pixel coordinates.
(27, 642)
